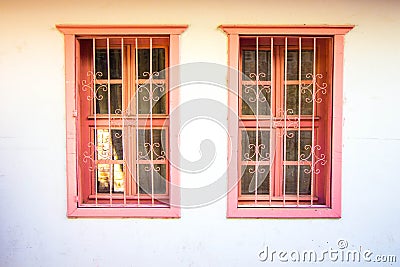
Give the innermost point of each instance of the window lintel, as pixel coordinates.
(120, 29)
(287, 29)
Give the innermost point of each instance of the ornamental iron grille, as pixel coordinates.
(123, 121)
(284, 120)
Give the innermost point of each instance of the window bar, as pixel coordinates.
(313, 98)
(137, 122)
(123, 121)
(271, 121)
(110, 172)
(151, 121)
(256, 148)
(285, 124)
(95, 119)
(298, 128)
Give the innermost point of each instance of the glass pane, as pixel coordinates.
(109, 144)
(104, 178)
(248, 181)
(159, 178)
(118, 185)
(249, 100)
(292, 143)
(116, 139)
(102, 98)
(158, 100)
(115, 63)
(249, 150)
(292, 179)
(292, 104)
(158, 58)
(157, 146)
(249, 64)
(307, 57)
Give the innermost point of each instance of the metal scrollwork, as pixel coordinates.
(320, 88)
(151, 148)
(152, 168)
(87, 158)
(259, 93)
(257, 152)
(88, 85)
(318, 159)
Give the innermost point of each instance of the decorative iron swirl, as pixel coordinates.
(123, 118)
(151, 75)
(321, 159)
(320, 88)
(257, 151)
(152, 168)
(88, 85)
(258, 93)
(290, 122)
(256, 169)
(87, 158)
(151, 93)
(151, 148)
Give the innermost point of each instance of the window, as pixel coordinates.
(286, 133)
(119, 128)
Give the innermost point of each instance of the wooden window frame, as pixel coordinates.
(332, 209)
(71, 34)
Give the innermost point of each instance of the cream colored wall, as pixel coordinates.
(34, 229)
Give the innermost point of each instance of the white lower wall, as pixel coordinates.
(34, 230)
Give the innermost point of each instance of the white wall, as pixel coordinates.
(34, 230)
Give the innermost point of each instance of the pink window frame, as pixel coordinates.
(70, 33)
(333, 209)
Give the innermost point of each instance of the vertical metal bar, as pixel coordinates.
(271, 120)
(95, 119)
(137, 120)
(110, 178)
(313, 121)
(151, 120)
(285, 123)
(256, 148)
(298, 128)
(124, 168)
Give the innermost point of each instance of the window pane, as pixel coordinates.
(292, 104)
(249, 150)
(158, 98)
(118, 175)
(109, 146)
(158, 58)
(115, 63)
(307, 57)
(292, 179)
(292, 143)
(107, 173)
(146, 146)
(249, 100)
(249, 64)
(159, 178)
(102, 98)
(248, 181)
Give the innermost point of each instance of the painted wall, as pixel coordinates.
(34, 230)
